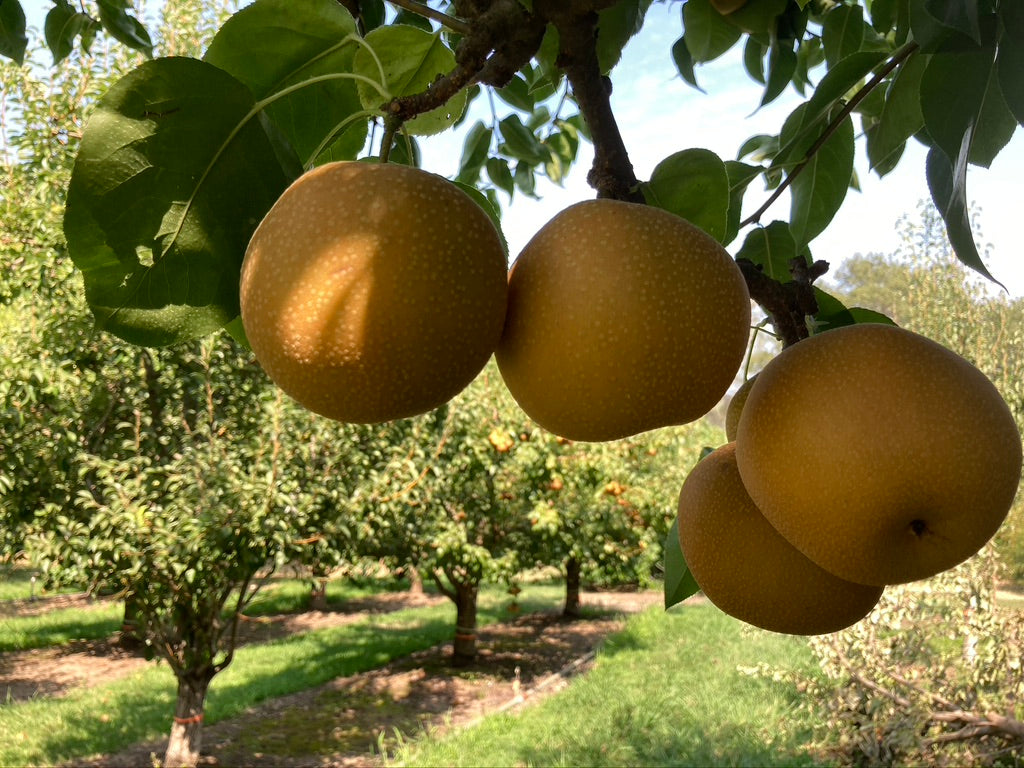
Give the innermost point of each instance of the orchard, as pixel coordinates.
(259, 204)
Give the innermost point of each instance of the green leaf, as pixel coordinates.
(413, 20)
(947, 182)
(960, 95)
(781, 67)
(274, 45)
(517, 94)
(707, 34)
(684, 62)
(932, 34)
(901, 116)
(883, 15)
(818, 192)
(832, 314)
(615, 26)
(474, 153)
(959, 15)
(806, 123)
(758, 17)
(500, 175)
(520, 142)
(842, 32)
(13, 36)
(692, 184)
(753, 59)
(412, 59)
(772, 248)
(1010, 58)
(740, 176)
(63, 24)
(124, 27)
(173, 174)
(679, 582)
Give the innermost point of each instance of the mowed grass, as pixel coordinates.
(667, 690)
(105, 718)
(16, 584)
(58, 627)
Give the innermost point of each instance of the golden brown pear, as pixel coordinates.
(881, 455)
(373, 292)
(735, 408)
(621, 318)
(747, 569)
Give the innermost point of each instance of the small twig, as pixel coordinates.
(422, 9)
(898, 58)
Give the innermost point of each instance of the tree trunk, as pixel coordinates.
(187, 730)
(130, 639)
(465, 624)
(572, 588)
(415, 581)
(318, 596)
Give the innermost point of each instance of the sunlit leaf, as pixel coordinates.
(692, 184)
(772, 248)
(818, 192)
(174, 172)
(276, 45)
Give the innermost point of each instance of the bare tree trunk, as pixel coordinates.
(465, 624)
(415, 581)
(318, 596)
(187, 731)
(572, 588)
(130, 639)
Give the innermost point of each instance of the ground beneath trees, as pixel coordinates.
(347, 721)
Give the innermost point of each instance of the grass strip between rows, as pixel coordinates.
(667, 690)
(106, 718)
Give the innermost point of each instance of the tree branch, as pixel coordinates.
(898, 58)
(424, 10)
(786, 304)
(612, 173)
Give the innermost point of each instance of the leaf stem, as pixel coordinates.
(901, 55)
(424, 10)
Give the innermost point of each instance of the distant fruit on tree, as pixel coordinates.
(747, 569)
(373, 292)
(621, 318)
(880, 454)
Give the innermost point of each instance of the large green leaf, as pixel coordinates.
(274, 45)
(62, 26)
(818, 192)
(708, 34)
(901, 116)
(679, 582)
(947, 181)
(411, 59)
(124, 27)
(782, 61)
(1010, 59)
(13, 37)
(692, 184)
(842, 32)
(960, 94)
(174, 172)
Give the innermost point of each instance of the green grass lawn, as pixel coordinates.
(665, 691)
(16, 584)
(106, 718)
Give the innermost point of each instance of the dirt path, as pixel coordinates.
(54, 671)
(346, 721)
